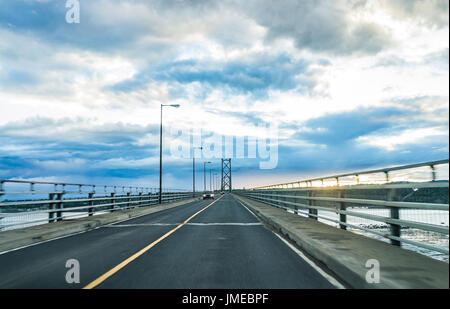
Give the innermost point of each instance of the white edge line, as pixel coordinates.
(248, 209)
(328, 277)
(69, 235)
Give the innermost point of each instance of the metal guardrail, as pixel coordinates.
(386, 171)
(385, 204)
(46, 202)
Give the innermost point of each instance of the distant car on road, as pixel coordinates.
(222, 193)
(208, 195)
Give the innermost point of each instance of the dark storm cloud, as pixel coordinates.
(318, 26)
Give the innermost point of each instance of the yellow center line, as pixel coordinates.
(111, 272)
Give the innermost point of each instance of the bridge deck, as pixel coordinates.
(223, 246)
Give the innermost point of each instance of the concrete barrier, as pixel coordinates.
(345, 254)
(14, 239)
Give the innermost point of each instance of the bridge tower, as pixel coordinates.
(226, 175)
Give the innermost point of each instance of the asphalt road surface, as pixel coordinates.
(223, 246)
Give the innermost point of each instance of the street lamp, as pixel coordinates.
(215, 181)
(193, 169)
(160, 151)
(204, 175)
(210, 181)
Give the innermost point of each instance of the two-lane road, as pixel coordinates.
(197, 245)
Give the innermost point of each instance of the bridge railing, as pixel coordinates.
(403, 212)
(355, 177)
(27, 203)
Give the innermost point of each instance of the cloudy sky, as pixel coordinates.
(350, 85)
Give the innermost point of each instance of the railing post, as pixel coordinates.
(59, 205)
(342, 206)
(51, 214)
(140, 199)
(91, 203)
(393, 195)
(128, 199)
(433, 173)
(295, 201)
(113, 201)
(312, 212)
